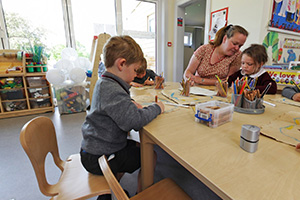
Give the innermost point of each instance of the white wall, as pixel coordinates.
(253, 15)
(245, 13)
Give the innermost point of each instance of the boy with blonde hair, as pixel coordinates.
(113, 113)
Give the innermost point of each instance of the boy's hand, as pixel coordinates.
(134, 84)
(162, 106)
(296, 97)
(148, 82)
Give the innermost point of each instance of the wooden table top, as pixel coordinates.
(214, 156)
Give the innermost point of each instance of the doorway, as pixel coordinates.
(192, 34)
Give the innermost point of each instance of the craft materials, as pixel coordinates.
(214, 113)
(293, 82)
(251, 95)
(155, 98)
(179, 105)
(220, 87)
(266, 90)
(269, 103)
(186, 85)
(159, 82)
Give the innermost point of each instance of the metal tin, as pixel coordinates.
(249, 138)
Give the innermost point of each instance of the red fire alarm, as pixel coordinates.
(169, 44)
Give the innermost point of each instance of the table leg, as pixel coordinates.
(147, 154)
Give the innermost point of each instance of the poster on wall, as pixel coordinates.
(285, 16)
(218, 19)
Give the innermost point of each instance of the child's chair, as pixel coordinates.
(38, 138)
(164, 189)
(96, 51)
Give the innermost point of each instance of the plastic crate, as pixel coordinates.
(14, 105)
(36, 81)
(39, 103)
(38, 92)
(12, 94)
(11, 82)
(71, 99)
(214, 113)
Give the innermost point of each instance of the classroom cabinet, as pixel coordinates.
(22, 91)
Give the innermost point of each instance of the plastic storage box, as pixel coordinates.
(11, 82)
(12, 94)
(70, 99)
(214, 113)
(39, 103)
(36, 81)
(38, 92)
(14, 105)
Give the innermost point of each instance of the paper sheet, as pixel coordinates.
(146, 100)
(201, 91)
(285, 128)
(286, 101)
(174, 95)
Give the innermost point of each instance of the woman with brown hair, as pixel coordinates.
(220, 57)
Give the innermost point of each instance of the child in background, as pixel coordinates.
(113, 113)
(144, 76)
(291, 93)
(253, 58)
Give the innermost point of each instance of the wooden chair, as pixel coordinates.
(96, 51)
(165, 189)
(38, 138)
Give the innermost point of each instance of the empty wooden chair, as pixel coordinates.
(164, 189)
(38, 138)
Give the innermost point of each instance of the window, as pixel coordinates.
(35, 25)
(139, 22)
(58, 24)
(90, 18)
(188, 39)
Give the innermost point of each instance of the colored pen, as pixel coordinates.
(293, 82)
(221, 85)
(271, 104)
(266, 90)
(234, 87)
(243, 87)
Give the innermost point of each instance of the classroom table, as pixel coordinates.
(214, 156)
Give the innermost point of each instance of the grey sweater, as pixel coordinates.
(289, 92)
(112, 116)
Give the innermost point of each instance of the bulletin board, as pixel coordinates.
(218, 19)
(285, 17)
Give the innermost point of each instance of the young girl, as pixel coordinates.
(253, 58)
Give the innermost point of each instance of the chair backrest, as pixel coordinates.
(97, 48)
(38, 138)
(113, 183)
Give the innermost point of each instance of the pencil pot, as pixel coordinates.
(255, 104)
(259, 103)
(248, 104)
(237, 100)
(221, 88)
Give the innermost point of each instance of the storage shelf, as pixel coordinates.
(28, 105)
